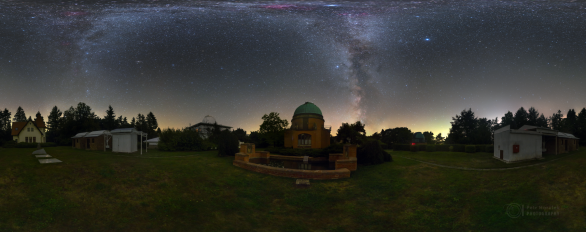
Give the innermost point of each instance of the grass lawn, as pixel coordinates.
(102, 191)
(470, 160)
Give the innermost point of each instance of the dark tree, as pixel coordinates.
(542, 121)
(428, 135)
(439, 139)
(347, 134)
(569, 123)
(227, 143)
(241, 135)
(520, 118)
(152, 124)
(532, 117)
(54, 125)
(555, 121)
(19, 116)
(133, 123)
(5, 126)
(273, 128)
(463, 127)
(581, 125)
(398, 135)
(109, 121)
(507, 120)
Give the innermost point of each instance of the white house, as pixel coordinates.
(29, 131)
(530, 142)
(152, 143)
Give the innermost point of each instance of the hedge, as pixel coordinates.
(442, 147)
(32, 145)
(480, 148)
(458, 148)
(402, 147)
(470, 148)
(413, 148)
(421, 147)
(430, 148)
(490, 148)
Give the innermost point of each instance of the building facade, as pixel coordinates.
(206, 126)
(307, 128)
(29, 131)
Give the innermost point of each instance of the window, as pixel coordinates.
(304, 140)
(34, 139)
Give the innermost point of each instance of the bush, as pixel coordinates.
(9, 144)
(180, 140)
(413, 148)
(490, 148)
(470, 148)
(334, 148)
(206, 145)
(421, 147)
(430, 148)
(458, 148)
(480, 148)
(387, 156)
(402, 147)
(228, 144)
(442, 147)
(370, 153)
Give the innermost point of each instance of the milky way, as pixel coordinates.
(387, 64)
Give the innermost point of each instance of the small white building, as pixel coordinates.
(530, 142)
(152, 143)
(206, 125)
(125, 140)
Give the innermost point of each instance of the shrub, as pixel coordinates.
(334, 148)
(180, 140)
(370, 153)
(470, 148)
(206, 145)
(9, 144)
(458, 148)
(442, 147)
(480, 148)
(228, 144)
(387, 156)
(402, 147)
(430, 148)
(413, 148)
(421, 147)
(490, 148)
(26, 145)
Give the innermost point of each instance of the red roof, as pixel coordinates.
(17, 126)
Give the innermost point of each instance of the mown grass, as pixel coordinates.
(471, 160)
(98, 191)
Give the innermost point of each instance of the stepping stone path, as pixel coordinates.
(41, 153)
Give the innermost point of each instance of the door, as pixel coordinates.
(501, 154)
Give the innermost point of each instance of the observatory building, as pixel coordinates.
(307, 128)
(206, 126)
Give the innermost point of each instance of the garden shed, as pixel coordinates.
(77, 141)
(125, 140)
(98, 140)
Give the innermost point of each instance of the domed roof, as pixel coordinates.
(307, 108)
(209, 119)
(418, 135)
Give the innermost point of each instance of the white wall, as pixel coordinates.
(529, 147)
(501, 142)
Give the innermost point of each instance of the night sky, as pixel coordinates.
(387, 64)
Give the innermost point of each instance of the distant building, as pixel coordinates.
(206, 126)
(307, 128)
(531, 142)
(29, 131)
(418, 138)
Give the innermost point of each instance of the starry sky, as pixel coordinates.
(389, 64)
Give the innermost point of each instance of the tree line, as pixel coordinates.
(62, 125)
(468, 129)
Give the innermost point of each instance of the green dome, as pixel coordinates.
(307, 108)
(418, 135)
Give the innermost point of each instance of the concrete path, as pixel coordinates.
(479, 169)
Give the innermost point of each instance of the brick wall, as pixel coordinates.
(294, 173)
(349, 164)
(334, 157)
